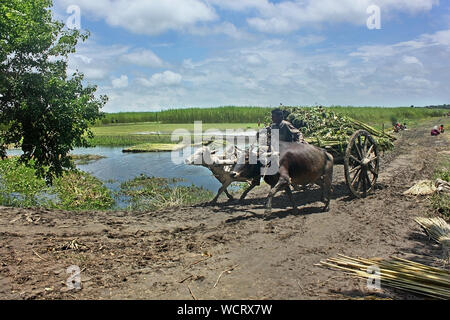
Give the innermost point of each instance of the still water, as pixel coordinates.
(118, 167)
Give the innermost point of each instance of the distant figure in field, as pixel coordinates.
(441, 129)
(287, 131)
(435, 131)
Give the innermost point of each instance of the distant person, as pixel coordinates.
(259, 123)
(395, 128)
(441, 129)
(435, 131)
(287, 132)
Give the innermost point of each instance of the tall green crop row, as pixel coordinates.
(207, 115)
(230, 114)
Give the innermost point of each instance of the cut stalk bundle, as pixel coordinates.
(438, 230)
(397, 273)
(327, 128)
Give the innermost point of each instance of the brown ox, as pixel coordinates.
(299, 164)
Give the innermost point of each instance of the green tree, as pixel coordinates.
(43, 110)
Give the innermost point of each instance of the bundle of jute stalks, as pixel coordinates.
(438, 230)
(397, 273)
(331, 130)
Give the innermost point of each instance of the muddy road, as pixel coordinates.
(228, 251)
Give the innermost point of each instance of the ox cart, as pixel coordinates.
(352, 143)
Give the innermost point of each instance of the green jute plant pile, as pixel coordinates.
(326, 128)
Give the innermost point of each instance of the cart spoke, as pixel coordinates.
(355, 159)
(358, 183)
(373, 159)
(355, 168)
(372, 170)
(366, 140)
(356, 175)
(358, 147)
(370, 149)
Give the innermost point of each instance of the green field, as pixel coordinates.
(133, 133)
(252, 114)
(188, 115)
(132, 128)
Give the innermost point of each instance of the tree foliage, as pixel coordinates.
(43, 110)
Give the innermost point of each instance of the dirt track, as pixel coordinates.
(183, 253)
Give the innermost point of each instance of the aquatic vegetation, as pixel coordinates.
(152, 193)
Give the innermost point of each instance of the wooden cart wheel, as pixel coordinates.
(361, 164)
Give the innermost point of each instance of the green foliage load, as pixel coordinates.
(327, 128)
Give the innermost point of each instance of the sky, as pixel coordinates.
(151, 55)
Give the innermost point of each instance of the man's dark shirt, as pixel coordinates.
(287, 131)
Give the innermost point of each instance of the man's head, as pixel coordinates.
(277, 116)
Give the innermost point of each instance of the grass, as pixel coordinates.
(129, 134)
(388, 116)
(228, 114)
(85, 158)
(129, 140)
(154, 147)
(235, 114)
(74, 190)
(441, 201)
(77, 190)
(152, 193)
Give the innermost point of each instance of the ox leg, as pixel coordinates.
(255, 183)
(282, 183)
(222, 189)
(291, 197)
(326, 186)
(230, 197)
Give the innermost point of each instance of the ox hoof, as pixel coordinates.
(326, 209)
(267, 213)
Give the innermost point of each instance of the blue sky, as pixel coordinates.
(149, 55)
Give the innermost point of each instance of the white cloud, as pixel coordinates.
(144, 58)
(412, 60)
(149, 17)
(225, 28)
(287, 16)
(95, 61)
(310, 40)
(418, 85)
(425, 41)
(94, 73)
(121, 82)
(166, 78)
